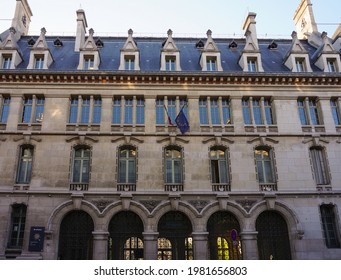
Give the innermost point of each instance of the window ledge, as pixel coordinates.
(174, 187)
(221, 187)
(338, 128)
(3, 126)
(322, 188)
(79, 186)
(126, 187)
(28, 126)
(21, 187)
(268, 187)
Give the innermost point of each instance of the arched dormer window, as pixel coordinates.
(265, 167)
(24, 172)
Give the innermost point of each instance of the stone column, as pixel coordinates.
(249, 245)
(150, 245)
(200, 245)
(100, 245)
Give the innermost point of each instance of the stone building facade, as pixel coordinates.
(93, 164)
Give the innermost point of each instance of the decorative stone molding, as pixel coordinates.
(150, 204)
(101, 204)
(218, 139)
(127, 138)
(126, 199)
(81, 139)
(172, 139)
(270, 200)
(315, 140)
(262, 140)
(174, 200)
(246, 204)
(199, 205)
(27, 138)
(300, 234)
(77, 200)
(222, 199)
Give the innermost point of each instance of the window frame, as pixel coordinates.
(252, 64)
(170, 63)
(39, 61)
(215, 166)
(17, 227)
(5, 107)
(81, 159)
(335, 111)
(320, 166)
(264, 171)
(89, 62)
(173, 161)
(127, 159)
(6, 61)
(25, 164)
(330, 225)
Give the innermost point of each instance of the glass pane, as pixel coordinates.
(128, 111)
(268, 172)
(215, 116)
(303, 117)
(85, 171)
(223, 171)
(260, 172)
(214, 171)
(76, 171)
(122, 171)
(73, 114)
(177, 172)
(27, 113)
(85, 114)
(97, 114)
(117, 112)
(131, 171)
(203, 111)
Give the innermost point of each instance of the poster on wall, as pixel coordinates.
(36, 243)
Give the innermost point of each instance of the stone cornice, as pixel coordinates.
(167, 78)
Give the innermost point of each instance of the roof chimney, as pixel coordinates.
(304, 20)
(22, 18)
(81, 29)
(249, 28)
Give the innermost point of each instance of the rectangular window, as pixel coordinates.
(331, 64)
(211, 63)
(335, 111)
(85, 110)
(300, 65)
(320, 166)
(226, 111)
(97, 110)
(129, 62)
(6, 61)
(252, 64)
(139, 111)
(330, 226)
(302, 112)
(4, 109)
(27, 110)
(89, 62)
(257, 111)
(116, 118)
(18, 220)
(314, 114)
(170, 63)
(215, 114)
(73, 109)
(268, 111)
(203, 111)
(25, 165)
(171, 107)
(183, 105)
(128, 111)
(160, 111)
(38, 61)
(39, 109)
(246, 111)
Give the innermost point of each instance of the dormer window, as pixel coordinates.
(6, 61)
(211, 63)
(89, 62)
(331, 64)
(39, 62)
(300, 65)
(129, 62)
(170, 63)
(252, 64)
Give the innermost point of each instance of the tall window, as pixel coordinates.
(171, 106)
(319, 165)
(170, 63)
(300, 65)
(6, 61)
(211, 63)
(219, 166)
(81, 165)
(127, 165)
(330, 226)
(128, 110)
(129, 62)
(18, 220)
(25, 165)
(257, 110)
(203, 111)
(160, 111)
(173, 165)
(215, 114)
(89, 62)
(39, 61)
(33, 109)
(308, 111)
(331, 64)
(85, 109)
(4, 109)
(265, 165)
(252, 64)
(335, 111)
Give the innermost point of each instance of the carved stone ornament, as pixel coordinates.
(150, 204)
(101, 204)
(199, 204)
(246, 204)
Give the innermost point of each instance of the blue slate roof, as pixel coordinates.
(66, 59)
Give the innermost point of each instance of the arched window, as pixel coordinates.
(319, 165)
(25, 165)
(265, 165)
(173, 165)
(219, 165)
(127, 165)
(81, 165)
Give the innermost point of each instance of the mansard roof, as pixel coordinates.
(66, 59)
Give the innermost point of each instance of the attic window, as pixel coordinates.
(99, 43)
(273, 46)
(233, 45)
(200, 44)
(58, 43)
(31, 42)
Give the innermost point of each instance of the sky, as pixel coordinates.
(184, 17)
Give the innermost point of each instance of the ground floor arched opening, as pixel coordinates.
(175, 240)
(273, 238)
(75, 237)
(125, 237)
(224, 237)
